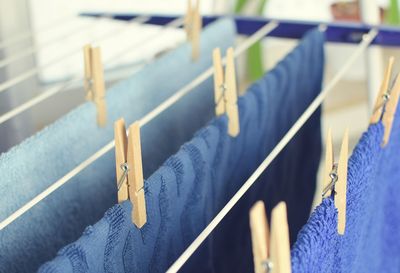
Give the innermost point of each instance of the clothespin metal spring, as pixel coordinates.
(334, 178)
(125, 169)
(268, 266)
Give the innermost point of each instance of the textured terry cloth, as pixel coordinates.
(32, 166)
(204, 174)
(371, 242)
(389, 175)
(174, 194)
(278, 100)
(319, 248)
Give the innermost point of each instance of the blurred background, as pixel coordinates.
(43, 39)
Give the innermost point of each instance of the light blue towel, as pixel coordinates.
(31, 167)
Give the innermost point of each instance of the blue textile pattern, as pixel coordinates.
(31, 167)
(318, 241)
(371, 242)
(389, 174)
(192, 186)
(289, 178)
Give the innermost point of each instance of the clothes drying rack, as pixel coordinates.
(257, 28)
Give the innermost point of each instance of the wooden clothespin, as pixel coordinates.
(335, 177)
(193, 25)
(390, 110)
(94, 81)
(128, 159)
(270, 251)
(225, 91)
(387, 102)
(259, 237)
(380, 100)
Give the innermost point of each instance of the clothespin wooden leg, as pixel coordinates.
(341, 184)
(135, 176)
(99, 86)
(193, 25)
(231, 94)
(87, 58)
(280, 245)
(188, 21)
(121, 143)
(94, 82)
(259, 236)
(196, 31)
(327, 179)
(390, 110)
(219, 86)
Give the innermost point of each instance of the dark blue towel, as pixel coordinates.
(274, 104)
(193, 185)
(371, 242)
(32, 166)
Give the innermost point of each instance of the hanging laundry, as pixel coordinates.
(33, 166)
(191, 187)
(291, 86)
(371, 242)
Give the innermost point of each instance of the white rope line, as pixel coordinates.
(28, 74)
(367, 39)
(174, 24)
(34, 49)
(27, 34)
(259, 34)
(79, 78)
(208, 73)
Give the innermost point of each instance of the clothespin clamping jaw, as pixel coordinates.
(94, 81)
(386, 102)
(335, 177)
(270, 253)
(225, 89)
(193, 24)
(128, 158)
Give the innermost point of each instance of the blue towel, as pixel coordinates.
(32, 166)
(371, 242)
(192, 186)
(278, 101)
(174, 193)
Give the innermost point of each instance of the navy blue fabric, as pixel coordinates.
(371, 242)
(31, 167)
(193, 185)
(276, 102)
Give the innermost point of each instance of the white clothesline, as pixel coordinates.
(79, 78)
(27, 34)
(262, 32)
(59, 39)
(367, 39)
(30, 73)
